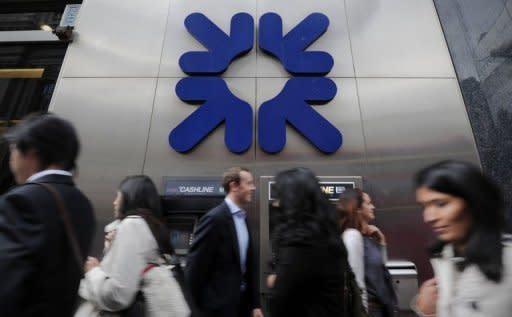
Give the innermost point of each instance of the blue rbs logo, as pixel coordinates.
(292, 105)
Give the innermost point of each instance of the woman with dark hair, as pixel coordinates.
(348, 206)
(472, 259)
(366, 247)
(140, 238)
(308, 250)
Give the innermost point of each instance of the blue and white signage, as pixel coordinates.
(70, 14)
(292, 105)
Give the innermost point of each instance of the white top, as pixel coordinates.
(354, 243)
(113, 285)
(353, 240)
(242, 233)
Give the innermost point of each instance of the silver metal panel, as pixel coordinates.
(178, 41)
(27, 36)
(210, 157)
(334, 41)
(408, 124)
(117, 38)
(342, 112)
(407, 237)
(112, 117)
(397, 38)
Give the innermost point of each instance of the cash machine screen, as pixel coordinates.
(181, 230)
(332, 191)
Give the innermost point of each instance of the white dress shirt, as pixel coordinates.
(40, 174)
(241, 231)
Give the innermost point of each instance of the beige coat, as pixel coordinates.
(470, 293)
(113, 286)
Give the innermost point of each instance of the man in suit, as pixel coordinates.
(39, 271)
(221, 268)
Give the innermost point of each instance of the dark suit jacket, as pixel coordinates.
(38, 272)
(213, 270)
(309, 283)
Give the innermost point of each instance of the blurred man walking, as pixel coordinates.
(46, 223)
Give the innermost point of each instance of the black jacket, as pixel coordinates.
(213, 270)
(38, 272)
(309, 283)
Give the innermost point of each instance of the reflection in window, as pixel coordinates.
(21, 96)
(29, 21)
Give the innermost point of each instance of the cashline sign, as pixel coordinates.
(192, 187)
(331, 189)
(293, 105)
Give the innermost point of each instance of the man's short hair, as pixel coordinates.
(232, 175)
(54, 140)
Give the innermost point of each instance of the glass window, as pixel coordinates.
(29, 21)
(21, 96)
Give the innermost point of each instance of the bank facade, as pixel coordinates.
(362, 92)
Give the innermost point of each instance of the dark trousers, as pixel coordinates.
(243, 306)
(237, 310)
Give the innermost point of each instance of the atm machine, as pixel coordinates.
(332, 186)
(184, 201)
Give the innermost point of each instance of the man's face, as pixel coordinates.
(22, 165)
(244, 191)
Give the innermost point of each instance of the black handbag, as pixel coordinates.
(137, 308)
(352, 300)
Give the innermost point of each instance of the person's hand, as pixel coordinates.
(427, 297)
(375, 233)
(109, 237)
(271, 280)
(91, 263)
(256, 312)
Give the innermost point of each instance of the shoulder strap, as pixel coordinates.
(61, 207)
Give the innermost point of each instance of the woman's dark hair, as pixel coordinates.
(139, 197)
(54, 140)
(304, 216)
(350, 201)
(484, 203)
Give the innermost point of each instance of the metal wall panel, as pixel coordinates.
(342, 112)
(178, 41)
(334, 41)
(112, 117)
(210, 157)
(391, 126)
(397, 38)
(407, 237)
(409, 123)
(117, 38)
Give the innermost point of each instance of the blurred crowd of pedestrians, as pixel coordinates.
(47, 225)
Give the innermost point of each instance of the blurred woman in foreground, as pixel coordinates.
(309, 253)
(472, 259)
(366, 247)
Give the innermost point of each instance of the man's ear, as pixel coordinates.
(33, 155)
(232, 186)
